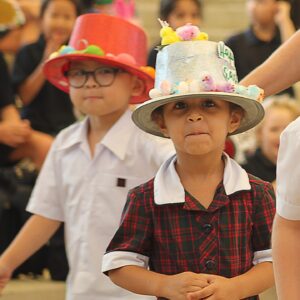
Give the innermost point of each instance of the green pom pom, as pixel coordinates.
(95, 50)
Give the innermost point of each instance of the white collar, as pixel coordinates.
(116, 139)
(168, 188)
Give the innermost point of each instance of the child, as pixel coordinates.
(279, 112)
(94, 163)
(270, 26)
(177, 13)
(47, 108)
(17, 139)
(202, 225)
(276, 74)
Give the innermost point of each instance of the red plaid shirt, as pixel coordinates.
(187, 237)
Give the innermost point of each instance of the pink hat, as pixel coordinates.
(110, 40)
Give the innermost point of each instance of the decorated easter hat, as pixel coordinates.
(11, 15)
(189, 66)
(109, 40)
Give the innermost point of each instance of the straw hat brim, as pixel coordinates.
(54, 71)
(254, 111)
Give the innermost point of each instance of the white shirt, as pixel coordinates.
(288, 173)
(88, 195)
(168, 189)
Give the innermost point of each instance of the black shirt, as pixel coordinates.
(259, 166)
(6, 90)
(249, 52)
(51, 110)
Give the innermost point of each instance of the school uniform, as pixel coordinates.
(88, 194)
(51, 109)
(288, 173)
(166, 229)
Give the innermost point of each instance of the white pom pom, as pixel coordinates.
(155, 93)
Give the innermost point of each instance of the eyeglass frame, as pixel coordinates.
(92, 73)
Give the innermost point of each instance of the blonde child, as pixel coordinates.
(202, 226)
(92, 164)
(279, 112)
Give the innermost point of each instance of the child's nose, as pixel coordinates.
(90, 81)
(195, 117)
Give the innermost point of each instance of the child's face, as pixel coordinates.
(95, 100)
(262, 12)
(275, 121)
(186, 11)
(198, 126)
(58, 20)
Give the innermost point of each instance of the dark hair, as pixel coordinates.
(45, 4)
(168, 6)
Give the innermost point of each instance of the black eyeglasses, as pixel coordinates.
(103, 76)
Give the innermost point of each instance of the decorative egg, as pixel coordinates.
(66, 50)
(94, 50)
(126, 59)
(154, 93)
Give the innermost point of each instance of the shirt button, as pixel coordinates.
(210, 264)
(207, 228)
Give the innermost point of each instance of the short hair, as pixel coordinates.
(45, 4)
(168, 6)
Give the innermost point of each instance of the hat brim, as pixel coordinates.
(254, 111)
(54, 71)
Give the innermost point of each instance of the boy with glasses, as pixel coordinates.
(92, 164)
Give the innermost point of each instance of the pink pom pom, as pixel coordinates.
(187, 32)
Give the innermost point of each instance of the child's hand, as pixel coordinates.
(178, 287)
(5, 275)
(14, 133)
(219, 288)
(53, 43)
(283, 12)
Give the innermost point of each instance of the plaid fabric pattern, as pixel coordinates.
(187, 237)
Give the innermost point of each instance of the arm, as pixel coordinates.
(13, 131)
(34, 234)
(142, 281)
(253, 282)
(279, 71)
(286, 250)
(31, 86)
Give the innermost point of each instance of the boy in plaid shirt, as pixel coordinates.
(201, 228)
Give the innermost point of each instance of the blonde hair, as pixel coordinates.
(282, 102)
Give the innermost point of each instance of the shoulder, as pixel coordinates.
(69, 136)
(235, 39)
(261, 189)
(153, 144)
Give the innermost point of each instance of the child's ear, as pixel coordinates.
(236, 119)
(160, 122)
(138, 87)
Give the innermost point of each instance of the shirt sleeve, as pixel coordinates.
(288, 173)
(263, 215)
(6, 91)
(46, 199)
(131, 244)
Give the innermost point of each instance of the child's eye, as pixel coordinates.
(208, 103)
(76, 73)
(180, 105)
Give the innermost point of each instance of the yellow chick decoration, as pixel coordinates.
(167, 34)
(202, 36)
